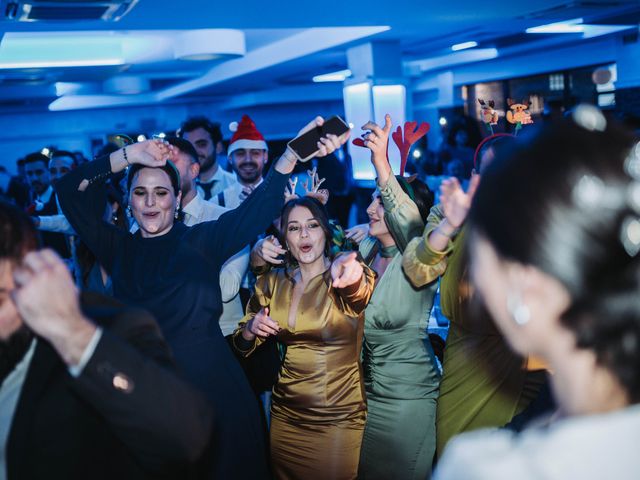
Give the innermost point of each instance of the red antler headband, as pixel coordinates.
(488, 139)
(411, 136)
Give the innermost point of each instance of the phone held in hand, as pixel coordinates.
(305, 146)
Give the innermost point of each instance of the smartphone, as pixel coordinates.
(305, 146)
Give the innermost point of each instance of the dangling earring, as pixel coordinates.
(129, 211)
(177, 214)
(518, 310)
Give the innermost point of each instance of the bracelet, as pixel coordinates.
(124, 153)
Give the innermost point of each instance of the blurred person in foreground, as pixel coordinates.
(87, 385)
(554, 238)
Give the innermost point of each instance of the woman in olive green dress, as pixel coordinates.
(484, 384)
(401, 376)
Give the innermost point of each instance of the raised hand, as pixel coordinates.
(269, 250)
(328, 144)
(47, 300)
(290, 190)
(261, 325)
(357, 233)
(377, 140)
(346, 270)
(151, 153)
(455, 201)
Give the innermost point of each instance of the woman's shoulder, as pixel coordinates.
(571, 448)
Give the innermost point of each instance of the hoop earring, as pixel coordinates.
(518, 310)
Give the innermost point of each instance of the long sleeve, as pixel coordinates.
(232, 273)
(261, 298)
(400, 212)
(237, 228)
(420, 262)
(83, 209)
(130, 382)
(355, 298)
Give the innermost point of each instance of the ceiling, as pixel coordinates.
(67, 65)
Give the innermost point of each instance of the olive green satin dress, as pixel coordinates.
(401, 376)
(484, 384)
(318, 405)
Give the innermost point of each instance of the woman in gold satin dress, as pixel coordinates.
(315, 308)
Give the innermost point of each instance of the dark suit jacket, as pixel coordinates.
(56, 241)
(126, 416)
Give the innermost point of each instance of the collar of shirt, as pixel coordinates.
(200, 210)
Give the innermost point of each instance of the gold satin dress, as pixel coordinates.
(318, 408)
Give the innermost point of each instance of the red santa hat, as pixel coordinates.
(246, 135)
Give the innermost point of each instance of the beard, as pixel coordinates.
(207, 163)
(250, 175)
(13, 350)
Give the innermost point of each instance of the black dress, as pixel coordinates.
(176, 277)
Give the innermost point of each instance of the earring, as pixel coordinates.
(177, 213)
(518, 310)
(129, 211)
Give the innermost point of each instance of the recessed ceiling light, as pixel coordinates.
(568, 26)
(463, 46)
(339, 76)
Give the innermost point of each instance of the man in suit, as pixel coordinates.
(87, 389)
(45, 203)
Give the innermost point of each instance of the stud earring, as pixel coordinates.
(518, 310)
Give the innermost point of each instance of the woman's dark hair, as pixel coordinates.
(559, 201)
(318, 211)
(169, 168)
(420, 193)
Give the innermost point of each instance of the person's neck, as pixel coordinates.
(249, 184)
(146, 234)
(187, 197)
(44, 193)
(386, 240)
(208, 175)
(309, 271)
(580, 384)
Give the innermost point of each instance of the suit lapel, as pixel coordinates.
(44, 362)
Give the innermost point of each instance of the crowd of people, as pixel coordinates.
(174, 310)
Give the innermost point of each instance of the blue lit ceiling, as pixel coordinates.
(140, 60)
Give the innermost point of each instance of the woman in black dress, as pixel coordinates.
(173, 270)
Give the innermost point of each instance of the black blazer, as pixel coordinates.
(127, 416)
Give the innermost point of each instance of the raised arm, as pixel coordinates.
(352, 283)
(237, 228)
(82, 195)
(401, 213)
(420, 261)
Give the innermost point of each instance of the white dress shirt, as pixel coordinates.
(234, 195)
(222, 179)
